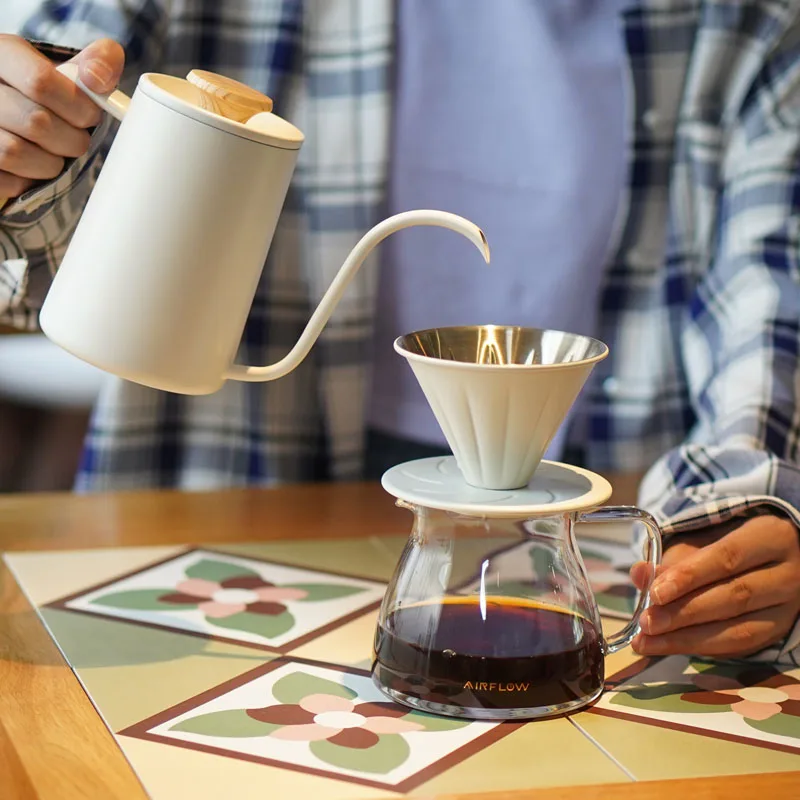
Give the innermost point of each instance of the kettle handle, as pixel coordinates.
(115, 102)
(359, 253)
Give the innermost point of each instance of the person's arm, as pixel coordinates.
(49, 168)
(729, 497)
(48, 162)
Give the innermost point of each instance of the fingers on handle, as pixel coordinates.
(36, 78)
(758, 541)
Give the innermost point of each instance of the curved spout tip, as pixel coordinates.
(484, 247)
(442, 219)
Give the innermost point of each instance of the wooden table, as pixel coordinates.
(42, 703)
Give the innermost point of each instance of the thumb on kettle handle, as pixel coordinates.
(115, 103)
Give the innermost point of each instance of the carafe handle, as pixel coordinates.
(652, 556)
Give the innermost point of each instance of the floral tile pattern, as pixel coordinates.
(532, 569)
(243, 600)
(321, 719)
(752, 703)
(608, 566)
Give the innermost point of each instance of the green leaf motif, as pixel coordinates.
(587, 554)
(703, 666)
(218, 571)
(324, 591)
(666, 697)
(516, 589)
(225, 724)
(721, 669)
(265, 625)
(293, 688)
(389, 753)
(141, 600)
(614, 602)
(779, 725)
(544, 563)
(433, 723)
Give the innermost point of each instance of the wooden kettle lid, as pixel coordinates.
(228, 98)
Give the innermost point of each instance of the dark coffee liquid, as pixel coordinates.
(508, 653)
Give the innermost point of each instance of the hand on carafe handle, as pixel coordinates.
(44, 117)
(726, 591)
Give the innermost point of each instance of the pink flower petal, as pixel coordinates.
(391, 725)
(273, 593)
(716, 683)
(608, 576)
(792, 690)
(304, 733)
(758, 711)
(594, 564)
(320, 703)
(221, 610)
(198, 587)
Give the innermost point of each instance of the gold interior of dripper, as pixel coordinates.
(500, 393)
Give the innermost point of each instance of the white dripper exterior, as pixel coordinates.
(500, 393)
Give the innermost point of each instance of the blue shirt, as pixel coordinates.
(513, 115)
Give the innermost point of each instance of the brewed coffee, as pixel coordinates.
(488, 653)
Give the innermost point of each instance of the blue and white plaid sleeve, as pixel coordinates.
(741, 340)
(35, 230)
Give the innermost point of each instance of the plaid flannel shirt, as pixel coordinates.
(700, 307)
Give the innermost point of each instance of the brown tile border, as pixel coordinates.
(61, 603)
(631, 671)
(141, 730)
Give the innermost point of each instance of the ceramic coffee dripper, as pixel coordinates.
(489, 613)
(499, 393)
(160, 274)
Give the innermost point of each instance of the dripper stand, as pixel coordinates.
(439, 484)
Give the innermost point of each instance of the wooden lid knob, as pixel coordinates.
(226, 97)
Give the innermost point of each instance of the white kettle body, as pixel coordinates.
(160, 274)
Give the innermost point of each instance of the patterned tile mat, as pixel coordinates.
(225, 597)
(147, 638)
(321, 719)
(750, 703)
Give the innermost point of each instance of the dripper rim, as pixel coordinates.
(453, 364)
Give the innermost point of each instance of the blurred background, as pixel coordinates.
(45, 394)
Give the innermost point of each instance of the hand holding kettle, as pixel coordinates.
(44, 117)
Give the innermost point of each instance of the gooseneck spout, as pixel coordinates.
(365, 246)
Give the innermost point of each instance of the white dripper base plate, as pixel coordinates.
(438, 483)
